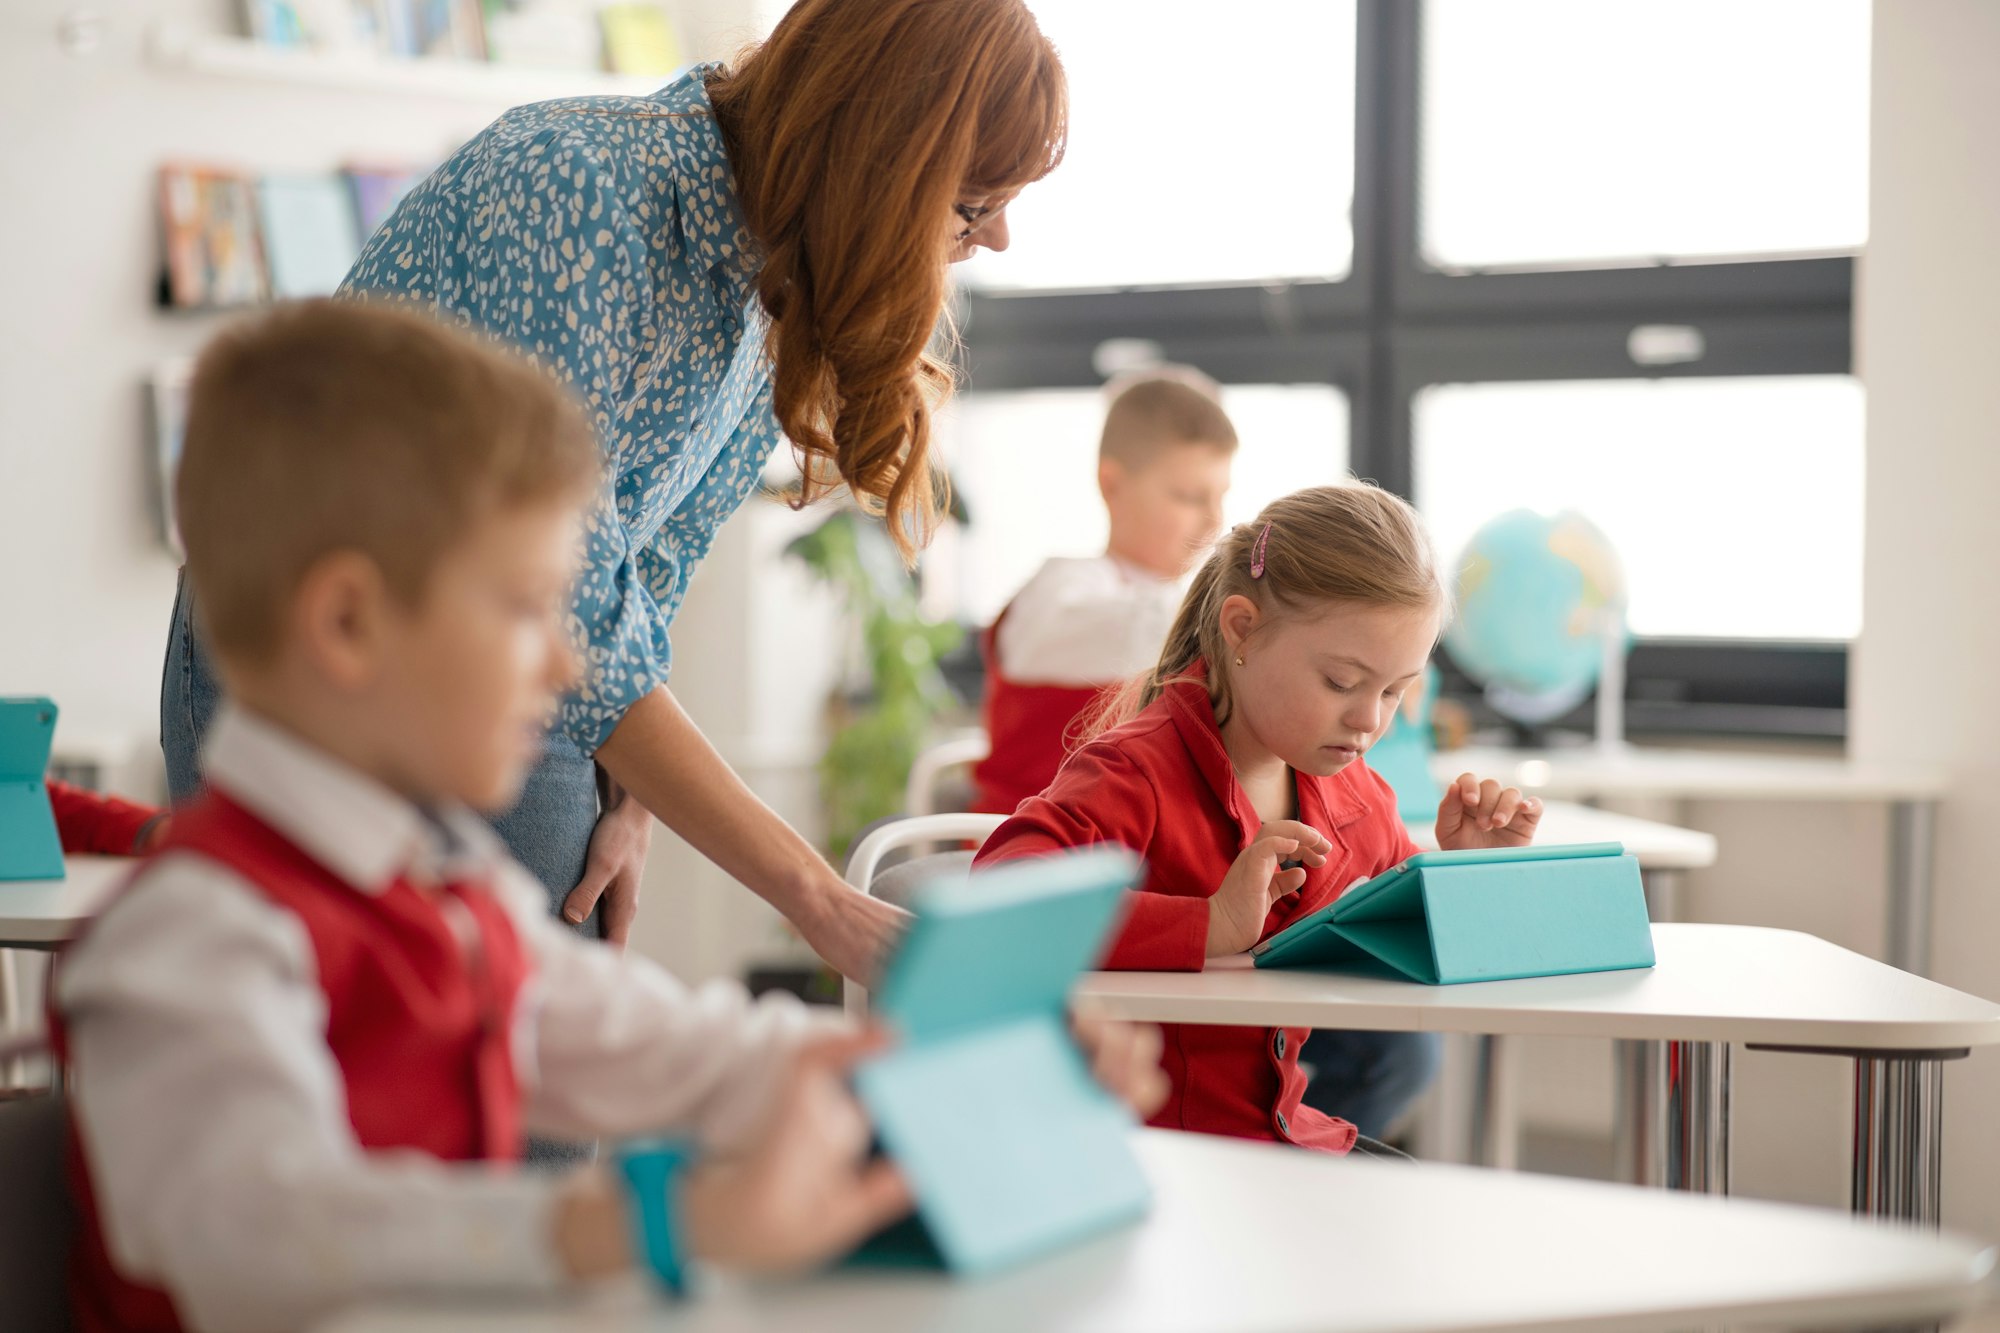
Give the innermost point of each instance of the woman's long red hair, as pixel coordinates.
(854, 129)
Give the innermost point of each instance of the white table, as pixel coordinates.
(43, 914)
(1260, 1239)
(1713, 985)
(1911, 793)
(1488, 1132)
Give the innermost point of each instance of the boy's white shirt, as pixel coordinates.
(1086, 620)
(213, 1114)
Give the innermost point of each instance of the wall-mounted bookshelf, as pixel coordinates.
(210, 55)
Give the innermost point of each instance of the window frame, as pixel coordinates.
(1395, 326)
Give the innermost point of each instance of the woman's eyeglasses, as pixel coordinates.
(975, 218)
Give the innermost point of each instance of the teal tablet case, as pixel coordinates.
(1010, 1146)
(1487, 915)
(29, 845)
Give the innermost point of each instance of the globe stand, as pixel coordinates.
(1611, 686)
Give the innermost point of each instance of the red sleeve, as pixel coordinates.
(1382, 809)
(98, 825)
(1101, 797)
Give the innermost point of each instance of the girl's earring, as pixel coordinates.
(1239, 659)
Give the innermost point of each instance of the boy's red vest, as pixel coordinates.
(1030, 729)
(1161, 784)
(419, 1025)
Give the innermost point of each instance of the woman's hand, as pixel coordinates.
(617, 862)
(854, 932)
(1237, 909)
(1125, 1058)
(806, 1190)
(1485, 814)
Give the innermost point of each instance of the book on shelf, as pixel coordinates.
(168, 393)
(451, 29)
(639, 38)
(233, 238)
(311, 235)
(214, 249)
(544, 34)
(376, 189)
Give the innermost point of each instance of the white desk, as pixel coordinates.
(1713, 985)
(1911, 793)
(1261, 1239)
(44, 913)
(1488, 1132)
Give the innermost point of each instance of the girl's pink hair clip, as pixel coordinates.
(1257, 552)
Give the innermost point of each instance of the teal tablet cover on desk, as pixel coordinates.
(29, 845)
(1486, 915)
(986, 1104)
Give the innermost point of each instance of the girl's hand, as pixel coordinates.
(1125, 1058)
(806, 1190)
(1237, 909)
(1485, 814)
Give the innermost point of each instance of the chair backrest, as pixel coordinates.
(920, 794)
(897, 883)
(37, 1216)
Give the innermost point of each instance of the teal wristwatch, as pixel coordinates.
(655, 1172)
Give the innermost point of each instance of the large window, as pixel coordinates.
(1186, 121)
(1574, 255)
(1573, 132)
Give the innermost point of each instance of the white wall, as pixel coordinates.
(1928, 334)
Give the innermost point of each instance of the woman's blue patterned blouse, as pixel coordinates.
(603, 237)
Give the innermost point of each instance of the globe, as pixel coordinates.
(1537, 594)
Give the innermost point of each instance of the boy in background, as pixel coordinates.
(1083, 624)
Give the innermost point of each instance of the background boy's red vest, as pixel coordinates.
(1031, 729)
(419, 1025)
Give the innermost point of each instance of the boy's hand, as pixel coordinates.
(1485, 814)
(1237, 909)
(806, 1191)
(1125, 1058)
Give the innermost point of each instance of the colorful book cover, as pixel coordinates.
(376, 191)
(310, 239)
(169, 392)
(215, 254)
(639, 39)
(278, 22)
(449, 29)
(544, 35)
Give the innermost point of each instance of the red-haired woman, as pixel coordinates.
(753, 251)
